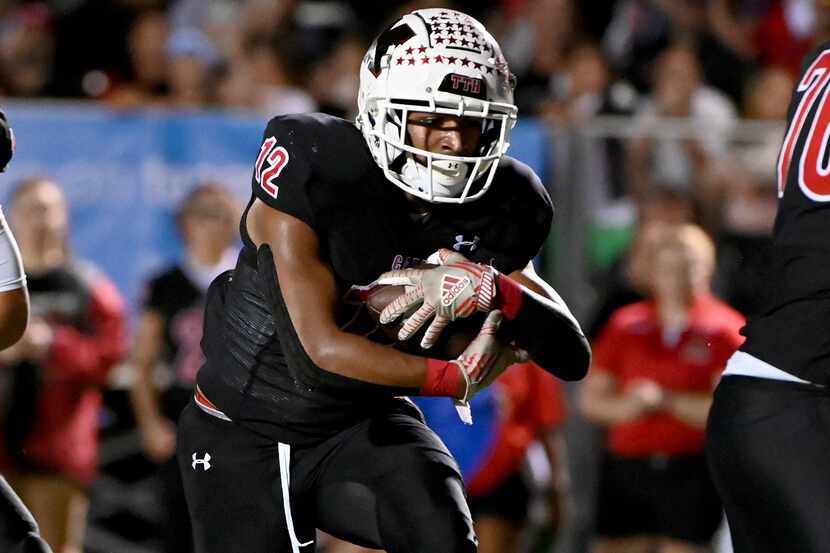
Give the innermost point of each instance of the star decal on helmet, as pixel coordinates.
(453, 28)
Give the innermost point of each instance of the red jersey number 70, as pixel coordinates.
(813, 167)
(269, 164)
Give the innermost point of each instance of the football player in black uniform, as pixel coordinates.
(768, 438)
(298, 424)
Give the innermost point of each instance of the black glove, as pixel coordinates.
(6, 142)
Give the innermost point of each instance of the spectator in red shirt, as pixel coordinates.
(51, 398)
(655, 365)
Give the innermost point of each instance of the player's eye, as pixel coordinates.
(426, 122)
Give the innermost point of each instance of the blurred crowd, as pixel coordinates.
(715, 66)
(680, 84)
(277, 56)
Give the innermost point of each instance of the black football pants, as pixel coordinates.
(387, 483)
(768, 446)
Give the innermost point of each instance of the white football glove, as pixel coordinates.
(483, 361)
(455, 289)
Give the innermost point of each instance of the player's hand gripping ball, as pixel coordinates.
(455, 289)
(486, 357)
(366, 303)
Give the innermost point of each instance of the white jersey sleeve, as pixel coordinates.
(11, 265)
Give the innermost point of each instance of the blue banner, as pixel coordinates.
(125, 172)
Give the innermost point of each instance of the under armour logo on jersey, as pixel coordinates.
(204, 462)
(460, 243)
(451, 288)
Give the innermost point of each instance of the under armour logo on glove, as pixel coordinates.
(205, 462)
(454, 290)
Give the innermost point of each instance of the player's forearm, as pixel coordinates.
(356, 357)
(691, 408)
(544, 328)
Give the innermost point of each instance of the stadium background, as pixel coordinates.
(129, 103)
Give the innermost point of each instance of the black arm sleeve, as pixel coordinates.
(552, 339)
(544, 328)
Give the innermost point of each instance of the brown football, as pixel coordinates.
(364, 318)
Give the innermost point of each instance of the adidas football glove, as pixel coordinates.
(455, 289)
(483, 361)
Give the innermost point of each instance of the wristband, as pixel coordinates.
(509, 296)
(443, 378)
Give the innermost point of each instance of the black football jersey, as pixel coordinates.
(180, 303)
(318, 169)
(791, 331)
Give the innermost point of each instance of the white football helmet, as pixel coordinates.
(436, 61)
